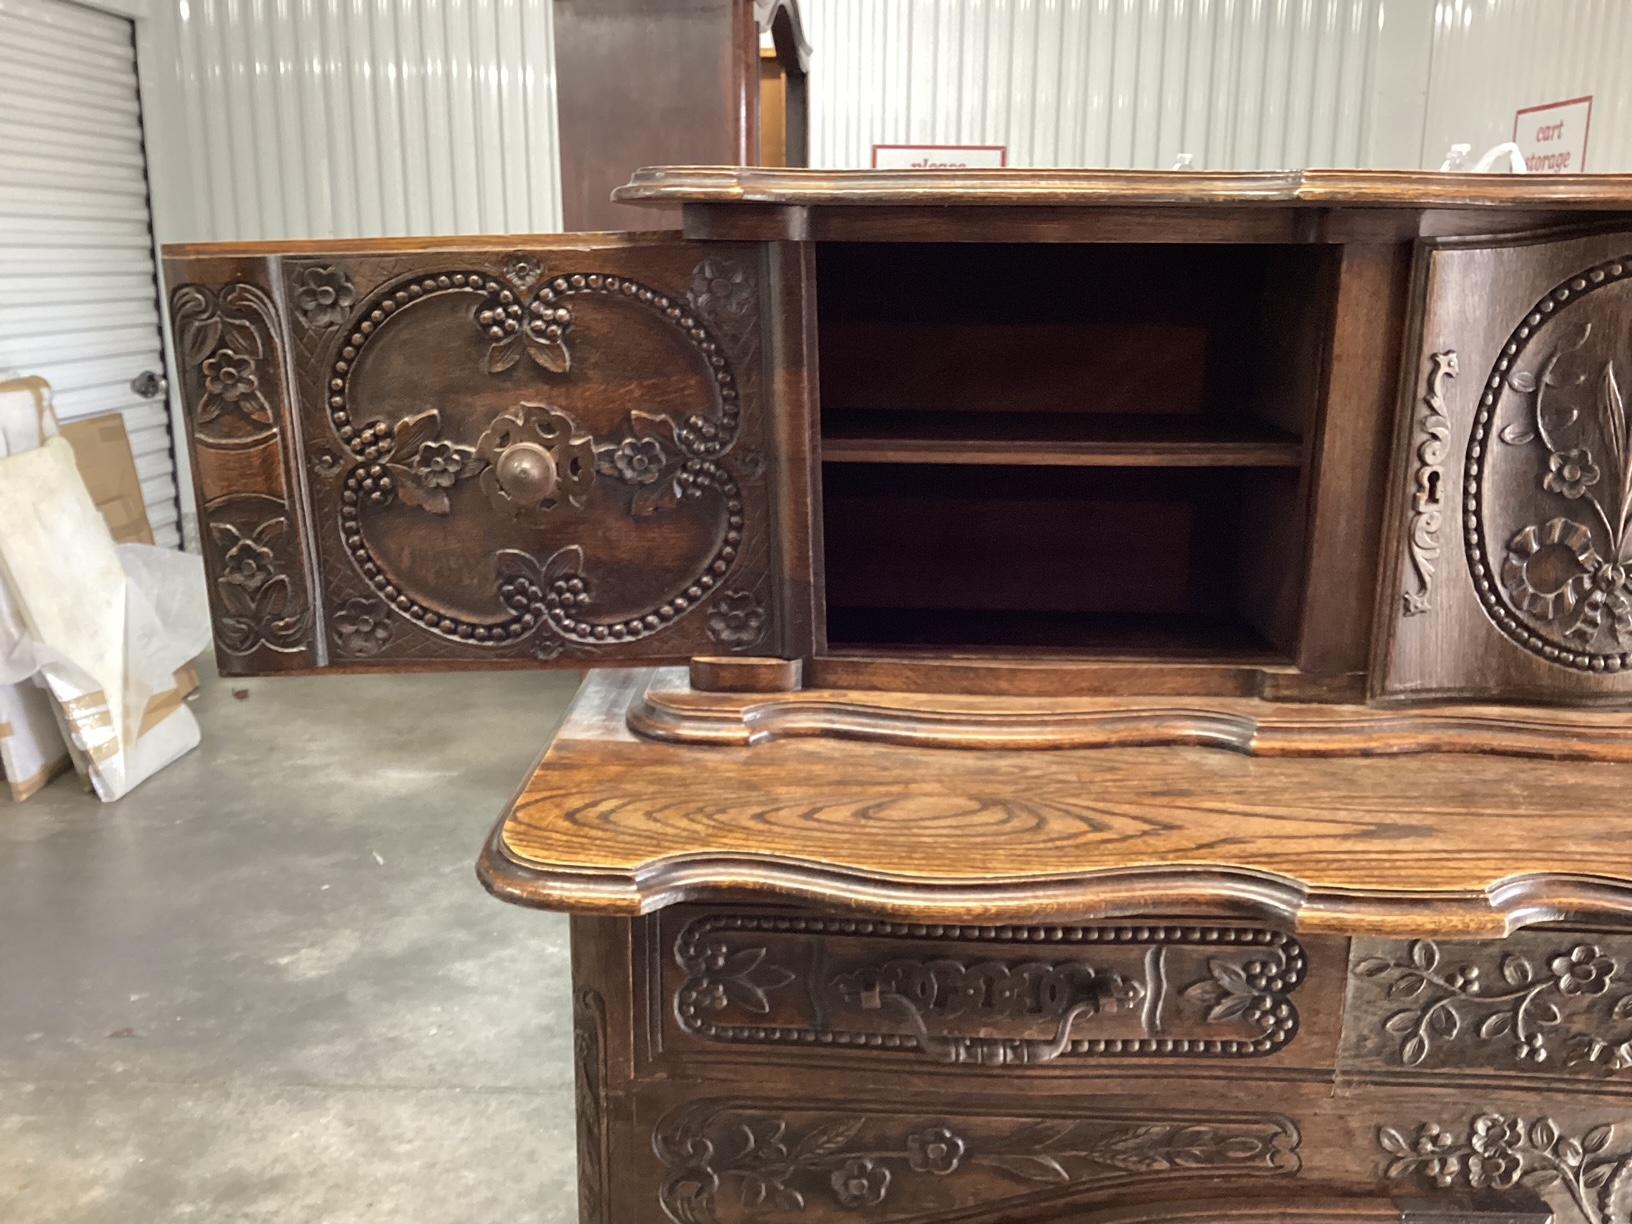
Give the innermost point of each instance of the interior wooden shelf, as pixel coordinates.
(1055, 439)
(1102, 635)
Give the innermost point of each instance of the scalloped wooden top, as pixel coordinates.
(670, 185)
(1448, 845)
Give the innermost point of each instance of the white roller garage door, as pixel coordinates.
(78, 302)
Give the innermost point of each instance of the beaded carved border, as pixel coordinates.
(1162, 990)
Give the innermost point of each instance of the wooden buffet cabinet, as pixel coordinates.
(1111, 692)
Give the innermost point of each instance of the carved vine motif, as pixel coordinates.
(254, 591)
(533, 461)
(589, 1075)
(732, 1163)
(1429, 493)
(1557, 1007)
(739, 971)
(1566, 573)
(1500, 1152)
(223, 335)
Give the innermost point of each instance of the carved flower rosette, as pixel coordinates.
(1548, 499)
(534, 459)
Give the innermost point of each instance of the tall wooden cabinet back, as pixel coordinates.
(1110, 688)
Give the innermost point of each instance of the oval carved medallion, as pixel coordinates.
(1547, 505)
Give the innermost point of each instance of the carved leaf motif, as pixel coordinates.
(1517, 434)
(567, 562)
(1039, 1168)
(1543, 1133)
(829, 1138)
(502, 354)
(413, 432)
(1393, 1141)
(1373, 966)
(1495, 1025)
(552, 355)
(1522, 381)
(1414, 1050)
(1424, 955)
(1516, 970)
(1401, 1023)
(415, 492)
(1406, 985)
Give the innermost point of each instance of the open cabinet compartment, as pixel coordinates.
(1087, 449)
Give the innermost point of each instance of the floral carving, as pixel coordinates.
(522, 271)
(362, 627)
(1565, 588)
(1500, 1151)
(323, 296)
(721, 976)
(539, 330)
(534, 459)
(638, 461)
(1526, 1002)
(737, 620)
(757, 1162)
(1570, 473)
(860, 1182)
(724, 292)
(253, 593)
(1426, 518)
(225, 334)
(231, 383)
(248, 563)
(421, 467)
(649, 462)
(589, 1080)
(1029, 996)
(934, 1149)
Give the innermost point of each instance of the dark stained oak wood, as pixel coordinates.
(1053, 440)
(451, 453)
(1448, 844)
(1110, 784)
(1146, 188)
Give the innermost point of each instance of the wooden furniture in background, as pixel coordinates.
(1116, 683)
(639, 82)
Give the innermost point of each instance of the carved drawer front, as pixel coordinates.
(1513, 515)
(1070, 999)
(477, 453)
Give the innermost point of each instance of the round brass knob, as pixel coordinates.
(527, 473)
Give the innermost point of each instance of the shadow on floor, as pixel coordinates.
(266, 986)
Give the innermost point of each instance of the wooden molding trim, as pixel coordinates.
(670, 185)
(1171, 892)
(1254, 727)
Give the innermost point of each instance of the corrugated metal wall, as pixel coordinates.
(1492, 57)
(78, 302)
(287, 119)
(1238, 84)
(352, 118)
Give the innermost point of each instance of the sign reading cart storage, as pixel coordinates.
(1553, 137)
(938, 157)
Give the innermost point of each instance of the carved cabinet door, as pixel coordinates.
(449, 454)
(1512, 575)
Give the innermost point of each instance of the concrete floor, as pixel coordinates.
(218, 1005)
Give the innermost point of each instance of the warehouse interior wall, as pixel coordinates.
(330, 118)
